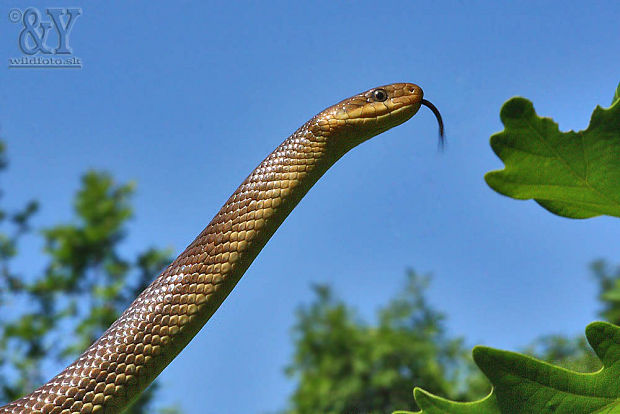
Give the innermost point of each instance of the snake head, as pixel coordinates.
(361, 117)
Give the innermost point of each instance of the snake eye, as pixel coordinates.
(379, 95)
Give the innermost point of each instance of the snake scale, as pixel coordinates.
(174, 307)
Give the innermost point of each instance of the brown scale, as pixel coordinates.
(170, 312)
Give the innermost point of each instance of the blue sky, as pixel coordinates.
(186, 99)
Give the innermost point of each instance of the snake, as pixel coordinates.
(163, 319)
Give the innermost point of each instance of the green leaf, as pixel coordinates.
(524, 385)
(571, 174)
(432, 404)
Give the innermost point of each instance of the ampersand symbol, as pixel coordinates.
(30, 30)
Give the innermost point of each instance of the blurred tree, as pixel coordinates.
(608, 279)
(85, 286)
(345, 365)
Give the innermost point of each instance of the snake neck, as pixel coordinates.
(268, 195)
(229, 244)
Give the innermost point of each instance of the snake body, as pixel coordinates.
(170, 312)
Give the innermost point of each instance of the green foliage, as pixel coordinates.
(84, 287)
(522, 384)
(572, 174)
(525, 385)
(345, 365)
